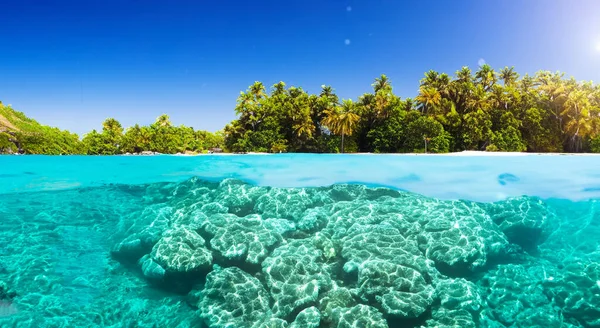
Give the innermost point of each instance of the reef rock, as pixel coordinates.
(233, 298)
(363, 316)
(245, 239)
(296, 275)
(391, 270)
(179, 253)
(524, 220)
(457, 304)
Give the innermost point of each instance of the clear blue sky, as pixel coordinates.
(74, 63)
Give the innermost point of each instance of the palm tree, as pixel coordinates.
(381, 83)
(464, 75)
(554, 91)
(428, 97)
(576, 115)
(304, 128)
(426, 140)
(486, 76)
(479, 100)
(341, 119)
(112, 126)
(327, 99)
(300, 113)
(145, 138)
(508, 75)
(498, 97)
(326, 91)
(257, 90)
(430, 79)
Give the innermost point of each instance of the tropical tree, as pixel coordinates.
(508, 76)
(341, 120)
(486, 77)
(428, 98)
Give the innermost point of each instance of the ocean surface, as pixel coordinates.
(300, 241)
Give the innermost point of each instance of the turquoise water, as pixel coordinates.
(300, 241)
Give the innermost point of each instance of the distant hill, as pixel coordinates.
(15, 121)
(21, 134)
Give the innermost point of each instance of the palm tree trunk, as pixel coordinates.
(342, 142)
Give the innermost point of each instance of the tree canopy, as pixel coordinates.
(482, 110)
(20, 133)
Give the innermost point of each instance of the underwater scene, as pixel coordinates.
(299, 241)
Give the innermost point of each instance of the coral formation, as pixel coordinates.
(233, 298)
(358, 316)
(245, 239)
(261, 257)
(296, 275)
(525, 220)
(179, 253)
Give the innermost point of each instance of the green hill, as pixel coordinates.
(21, 134)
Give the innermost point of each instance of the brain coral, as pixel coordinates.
(286, 203)
(457, 304)
(391, 270)
(524, 220)
(459, 236)
(233, 298)
(238, 197)
(182, 250)
(178, 258)
(363, 316)
(236, 238)
(296, 275)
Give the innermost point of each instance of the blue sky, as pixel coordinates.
(72, 64)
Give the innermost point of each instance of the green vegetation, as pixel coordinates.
(161, 137)
(487, 110)
(20, 133)
(484, 110)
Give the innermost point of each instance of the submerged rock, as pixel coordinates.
(182, 251)
(308, 318)
(517, 296)
(245, 239)
(525, 220)
(353, 256)
(358, 316)
(179, 259)
(296, 275)
(233, 298)
(457, 304)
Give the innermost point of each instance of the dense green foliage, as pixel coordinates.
(161, 137)
(484, 110)
(20, 133)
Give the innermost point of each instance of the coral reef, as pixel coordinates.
(358, 316)
(296, 275)
(525, 220)
(179, 254)
(230, 254)
(245, 239)
(233, 298)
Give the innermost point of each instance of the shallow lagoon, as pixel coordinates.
(266, 241)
